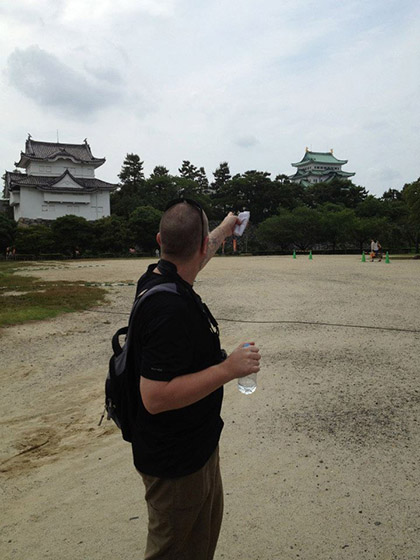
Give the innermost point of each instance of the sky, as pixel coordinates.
(249, 82)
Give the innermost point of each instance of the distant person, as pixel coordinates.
(378, 251)
(373, 250)
(182, 372)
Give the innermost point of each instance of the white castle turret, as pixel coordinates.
(59, 179)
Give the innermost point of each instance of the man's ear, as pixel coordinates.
(159, 242)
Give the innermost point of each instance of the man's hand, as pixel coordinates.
(181, 391)
(243, 361)
(229, 223)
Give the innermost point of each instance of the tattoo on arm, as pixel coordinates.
(216, 237)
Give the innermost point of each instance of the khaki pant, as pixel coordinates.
(185, 514)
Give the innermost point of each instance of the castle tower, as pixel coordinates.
(59, 179)
(319, 167)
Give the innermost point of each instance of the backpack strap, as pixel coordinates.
(116, 346)
(170, 287)
(177, 287)
(169, 269)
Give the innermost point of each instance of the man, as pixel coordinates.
(373, 249)
(182, 372)
(378, 252)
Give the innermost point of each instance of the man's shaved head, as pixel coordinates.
(180, 231)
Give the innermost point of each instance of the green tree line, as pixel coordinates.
(333, 216)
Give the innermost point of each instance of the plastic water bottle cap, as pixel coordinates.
(246, 345)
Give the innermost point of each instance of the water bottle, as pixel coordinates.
(247, 384)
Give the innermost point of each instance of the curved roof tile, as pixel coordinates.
(50, 151)
(16, 180)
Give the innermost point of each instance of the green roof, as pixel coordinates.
(319, 157)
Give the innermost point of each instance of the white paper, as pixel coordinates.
(240, 228)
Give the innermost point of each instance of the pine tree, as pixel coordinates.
(160, 171)
(221, 176)
(188, 170)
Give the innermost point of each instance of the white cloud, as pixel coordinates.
(246, 141)
(43, 78)
(249, 83)
(77, 9)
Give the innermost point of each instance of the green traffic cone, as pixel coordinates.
(310, 255)
(294, 254)
(387, 258)
(363, 256)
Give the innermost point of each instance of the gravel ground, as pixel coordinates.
(320, 463)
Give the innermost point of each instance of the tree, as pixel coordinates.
(131, 173)
(110, 235)
(219, 187)
(308, 227)
(396, 211)
(7, 232)
(364, 229)
(289, 194)
(221, 177)
(338, 191)
(277, 232)
(300, 227)
(35, 240)
(131, 189)
(72, 233)
(198, 176)
(159, 190)
(370, 207)
(188, 188)
(202, 181)
(336, 224)
(143, 227)
(188, 170)
(392, 195)
(411, 196)
(159, 171)
(253, 190)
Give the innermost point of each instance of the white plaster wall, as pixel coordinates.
(57, 168)
(16, 212)
(14, 198)
(70, 198)
(30, 203)
(37, 204)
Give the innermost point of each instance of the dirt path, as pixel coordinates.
(320, 463)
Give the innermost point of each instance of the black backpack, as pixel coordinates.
(122, 393)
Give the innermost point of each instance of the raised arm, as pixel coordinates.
(218, 235)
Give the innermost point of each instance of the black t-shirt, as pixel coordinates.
(175, 337)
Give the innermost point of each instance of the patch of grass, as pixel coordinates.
(26, 298)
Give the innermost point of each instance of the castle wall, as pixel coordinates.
(57, 168)
(44, 205)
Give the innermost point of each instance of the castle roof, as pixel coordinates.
(319, 157)
(16, 180)
(302, 177)
(322, 173)
(52, 151)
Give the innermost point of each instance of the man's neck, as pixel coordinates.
(186, 270)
